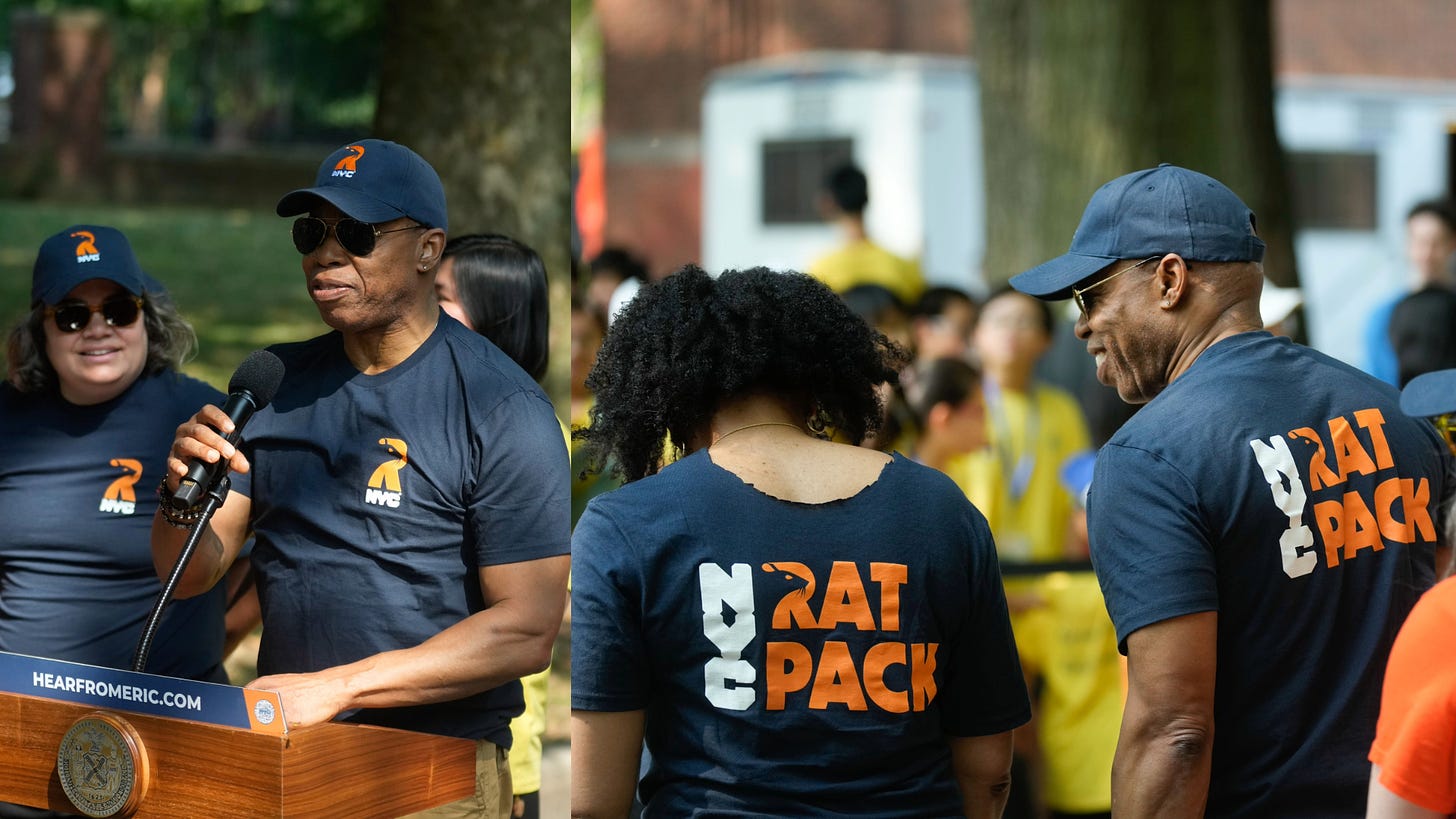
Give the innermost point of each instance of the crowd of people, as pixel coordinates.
(837, 539)
(1203, 585)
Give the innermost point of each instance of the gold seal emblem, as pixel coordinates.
(102, 765)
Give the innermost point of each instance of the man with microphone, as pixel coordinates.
(407, 486)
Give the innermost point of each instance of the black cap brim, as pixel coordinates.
(1054, 280)
(1430, 394)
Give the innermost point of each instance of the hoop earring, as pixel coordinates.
(818, 424)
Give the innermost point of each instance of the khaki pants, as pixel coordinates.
(492, 799)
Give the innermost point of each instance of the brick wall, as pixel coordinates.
(657, 58)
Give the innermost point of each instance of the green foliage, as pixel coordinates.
(255, 70)
(586, 72)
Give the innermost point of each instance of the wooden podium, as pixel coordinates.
(213, 763)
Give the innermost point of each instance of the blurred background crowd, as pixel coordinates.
(913, 155)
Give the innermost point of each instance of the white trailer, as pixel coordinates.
(773, 128)
(1362, 151)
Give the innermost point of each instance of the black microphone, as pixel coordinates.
(252, 387)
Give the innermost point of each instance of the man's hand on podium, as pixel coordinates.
(308, 699)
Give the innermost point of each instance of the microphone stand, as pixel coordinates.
(212, 501)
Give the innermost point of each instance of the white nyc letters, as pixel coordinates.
(719, 588)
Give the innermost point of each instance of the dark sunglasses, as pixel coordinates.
(356, 237)
(119, 311)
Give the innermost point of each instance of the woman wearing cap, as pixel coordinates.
(788, 636)
(90, 404)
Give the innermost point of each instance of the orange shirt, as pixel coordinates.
(1415, 739)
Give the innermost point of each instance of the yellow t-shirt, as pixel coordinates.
(1083, 687)
(1016, 482)
(865, 262)
(1067, 640)
(526, 731)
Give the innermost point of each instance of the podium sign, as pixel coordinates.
(106, 742)
(130, 691)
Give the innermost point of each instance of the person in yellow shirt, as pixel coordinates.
(859, 260)
(1032, 429)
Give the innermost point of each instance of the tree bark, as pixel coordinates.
(1074, 94)
(481, 90)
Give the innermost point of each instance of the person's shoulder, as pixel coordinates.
(299, 355)
(16, 406)
(186, 388)
(643, 504)
(933, 490)
(10, 396)
(1440, 601)
(1300, 361)
(481, 359)
(1259, 356)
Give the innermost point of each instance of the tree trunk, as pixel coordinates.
(480, 89)
(1074, 94)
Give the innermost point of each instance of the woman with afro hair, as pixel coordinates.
(794, 626)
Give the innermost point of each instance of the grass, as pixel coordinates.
(233, 273)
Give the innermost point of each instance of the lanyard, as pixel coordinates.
(1016, 468)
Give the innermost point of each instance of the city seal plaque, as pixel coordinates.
(102, 765)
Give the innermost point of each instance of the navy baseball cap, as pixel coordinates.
(1429, 394)
(1161, 210)
(81, 253)
(373, 180)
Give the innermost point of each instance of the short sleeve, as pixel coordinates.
(608, 652)
(519, 501)
(1150, 545)
(985, 692)
(1415, 738)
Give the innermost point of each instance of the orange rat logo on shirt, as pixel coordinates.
(384, 487)
(120, 496)
(86, 248)
(349, 164)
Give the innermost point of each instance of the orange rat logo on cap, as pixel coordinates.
(86, 248)
(347, 165)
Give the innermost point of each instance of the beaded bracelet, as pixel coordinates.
(177, 518)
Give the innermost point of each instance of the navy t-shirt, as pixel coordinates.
(1287, 492)
(78, 488)
(377, 498)
(794, 659)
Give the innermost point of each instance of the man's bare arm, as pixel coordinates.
(511, 638)
(198, 441)
(1165, 750)
(606, 752)
(982, 768)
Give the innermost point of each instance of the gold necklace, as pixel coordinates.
(751, 426)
